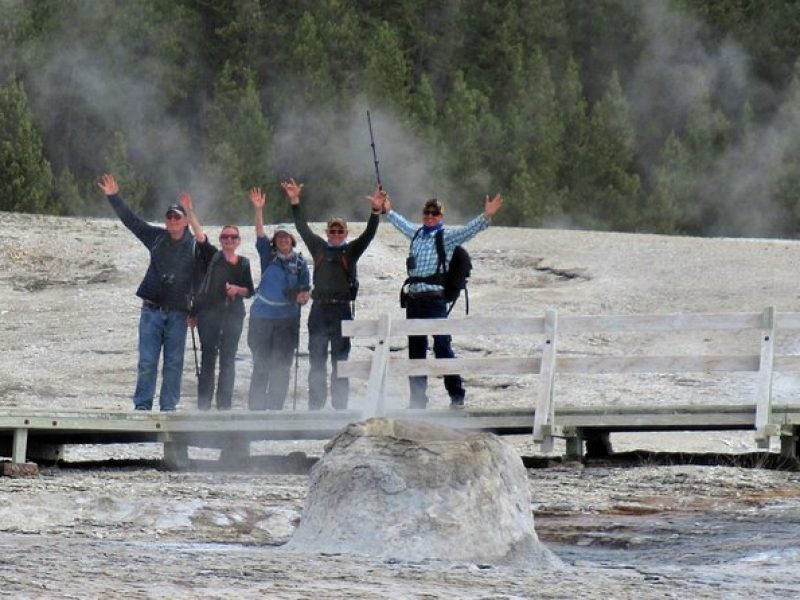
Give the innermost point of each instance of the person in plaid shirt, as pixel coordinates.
(426, 300)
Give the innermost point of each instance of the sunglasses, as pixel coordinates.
(336, 231)
(229, 236)
(172, 216)
(431, 212)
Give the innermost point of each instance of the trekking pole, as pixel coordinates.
(374, 152)
(194, 347)
(190, 308)
(296, 355)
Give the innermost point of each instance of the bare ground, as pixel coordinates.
(68, 339)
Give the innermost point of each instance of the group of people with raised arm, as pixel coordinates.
(190, 282)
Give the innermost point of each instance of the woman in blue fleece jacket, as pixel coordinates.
(275, 312)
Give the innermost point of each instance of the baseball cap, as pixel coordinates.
(176, 208)
(337, 221)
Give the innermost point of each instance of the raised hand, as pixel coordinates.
(109, 185)
(258, 197)
(185, 200)
(491, 206)
(378, 199)
(293, 190)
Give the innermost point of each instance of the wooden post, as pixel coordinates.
(545, 410)
(764, 382)
(20, 446)
(574, 447)
(789, 442)
(176, 451)
(376, 384)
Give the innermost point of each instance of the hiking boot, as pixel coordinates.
(457, 402)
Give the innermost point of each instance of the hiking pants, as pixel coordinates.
(430, 307)
(220, 329)
(325, 328)
(272, 342)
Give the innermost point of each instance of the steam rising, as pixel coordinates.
(677, 71)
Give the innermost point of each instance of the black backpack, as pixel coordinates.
(452, 277)
(457, 272)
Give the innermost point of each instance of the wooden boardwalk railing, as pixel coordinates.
(761, 360)
(42, 432)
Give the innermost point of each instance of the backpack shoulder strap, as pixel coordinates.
(319, 258)
(440, 251)
(206, 282)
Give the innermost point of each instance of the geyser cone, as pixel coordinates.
(411, 491)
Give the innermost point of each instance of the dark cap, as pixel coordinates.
(176, 208)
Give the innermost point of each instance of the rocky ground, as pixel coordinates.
(68, 339)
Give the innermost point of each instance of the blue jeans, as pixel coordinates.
(160, 328)
(430, 308)
(325, 327)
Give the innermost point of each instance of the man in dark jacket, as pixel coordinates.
(334, 279)
(165, 292)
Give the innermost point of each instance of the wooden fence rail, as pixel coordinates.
(762, 360)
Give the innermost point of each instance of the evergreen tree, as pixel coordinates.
(785, 170)
(666, 205)
(133, 186)
(574, 177)
(466, 124)
(423, 104)
(240, 138)
(609, 195)
(68, 197)
(532, 137)
(314, 84)
(387, 76)
(26, 179)
(708, 131)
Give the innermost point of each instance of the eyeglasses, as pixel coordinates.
(431, 212)
(229, 236)
(173, 216)
(336, 231)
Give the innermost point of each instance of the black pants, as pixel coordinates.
(430, 308)
(273, 342)
(324, 329)
(220, 329)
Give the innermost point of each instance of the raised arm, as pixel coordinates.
(453, 236)
(402, 224)
(376, 202)
(293, 191)
(147, 234)
(259, 199)
(185, 200)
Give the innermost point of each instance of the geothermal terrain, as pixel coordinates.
(107, 522)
